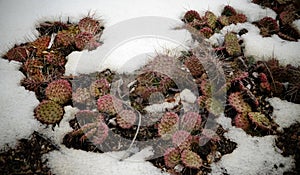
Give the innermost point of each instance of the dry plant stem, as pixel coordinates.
(270, 75)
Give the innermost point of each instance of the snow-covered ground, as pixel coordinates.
(17, 20)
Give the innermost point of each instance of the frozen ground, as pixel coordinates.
(17, 19)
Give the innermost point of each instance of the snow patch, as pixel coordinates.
(78, 162)
(16, 106)
(254, 155)
(285, 113)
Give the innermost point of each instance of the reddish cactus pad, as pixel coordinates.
(172, 157)
(59, 91)
(126, 119)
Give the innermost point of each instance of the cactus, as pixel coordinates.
(81, 95)
(54, 58)
(191, 121)
(172, 157)
(33, 67)
(211, 19)
(96, 132)
(168, 124)
(206, 135)
(90, 25)
(109, 104)
(59, 91)
(86, 116)
(126, 119)
(242, 121)
(228, 11)
(66, 38)
(260, 120)
(85, 40)
(223, 20)
(236, 101)
(286, 17)
(268, 26)
(194, 65)
(191, 159)
(206, 32)
(17, 53)
(99, 88)
(232, 45)
(181, 139)
(191, 15)
(49, 112)
(238, 18)
(41, 44)
(264, 83)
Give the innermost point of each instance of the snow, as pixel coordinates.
(254, 155)
(285, 113)
(17, 104)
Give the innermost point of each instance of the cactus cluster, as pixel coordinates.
(210, 23)
(43, 63)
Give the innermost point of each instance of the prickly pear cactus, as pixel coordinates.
(168, 124)
(237, 102)
(232, 45)
(191, 159)
(126, 119)
(260, 120)
(59, 91)
(49, 112)
(172, 157)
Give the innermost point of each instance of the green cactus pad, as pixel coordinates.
(232, 45)
(191, 159)
(260, 120)
(49, 112)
